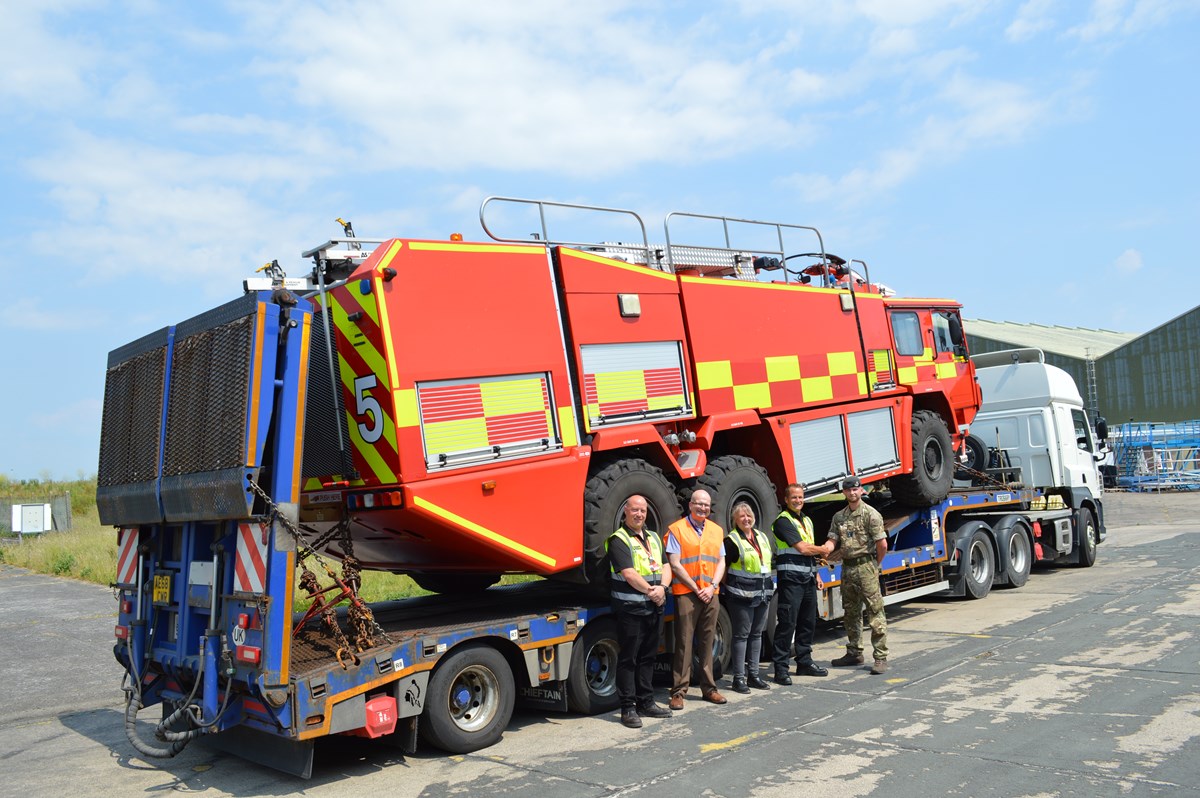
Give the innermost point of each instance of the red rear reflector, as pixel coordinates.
(249, 654)
(126, 607)
(121, 632)
(243, 620)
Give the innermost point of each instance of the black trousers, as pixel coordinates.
(795, 621)
(639, 637)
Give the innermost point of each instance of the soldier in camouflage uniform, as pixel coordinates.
(857, 529)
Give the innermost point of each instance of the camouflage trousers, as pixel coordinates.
(860, 588)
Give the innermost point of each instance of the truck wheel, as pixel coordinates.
(933, 458)
(603, 499)
(1086, 537)
(979, 565)
(470, 701)
(976, 457)
(592, 682)
(454, 584)
(732, 479)
(1018, 554)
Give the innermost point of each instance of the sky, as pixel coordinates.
(1036, 160)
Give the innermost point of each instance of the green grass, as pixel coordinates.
(89, 551)
(82, 491)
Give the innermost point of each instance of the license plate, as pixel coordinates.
(162, 589)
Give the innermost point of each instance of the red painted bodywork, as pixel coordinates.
(477, 313)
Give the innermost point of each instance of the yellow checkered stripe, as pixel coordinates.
(785, 384)
(615, 392)
(925, 367)
(359, 360)
(472, 416)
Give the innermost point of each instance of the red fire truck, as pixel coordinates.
(494, 399)
(457, 410)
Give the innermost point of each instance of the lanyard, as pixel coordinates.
(654, 567)
(752, 539)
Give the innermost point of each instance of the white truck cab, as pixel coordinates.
(1033, 414)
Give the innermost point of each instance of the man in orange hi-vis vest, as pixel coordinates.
(695, 547)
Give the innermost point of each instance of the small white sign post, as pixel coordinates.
(30, 519)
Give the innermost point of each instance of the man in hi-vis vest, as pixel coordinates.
(639, 591)
(696, 549)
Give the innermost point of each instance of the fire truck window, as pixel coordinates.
(941, 333)
(906, 328)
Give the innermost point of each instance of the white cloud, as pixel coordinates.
(1114, 18)
(1033, 17)
(1104, 18)
(974, 113)
(28, 314)
(580, 89)
(1129, 262)
(43, 70)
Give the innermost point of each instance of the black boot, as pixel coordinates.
(739, 684)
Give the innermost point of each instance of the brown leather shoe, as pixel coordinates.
(676, 703)
(715, 698)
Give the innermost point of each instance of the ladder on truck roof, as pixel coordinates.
(733, 259)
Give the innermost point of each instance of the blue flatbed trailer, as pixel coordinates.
(211, 555)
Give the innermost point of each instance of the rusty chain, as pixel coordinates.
(358, 614)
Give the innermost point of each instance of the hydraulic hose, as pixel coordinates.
(146, 749)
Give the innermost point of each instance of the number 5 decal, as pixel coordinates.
(365, 405)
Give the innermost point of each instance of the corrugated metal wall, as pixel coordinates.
(1155, 377)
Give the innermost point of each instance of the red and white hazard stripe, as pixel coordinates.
(250, 567)
(127, 557)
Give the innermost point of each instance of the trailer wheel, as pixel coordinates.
(603, 500)
(470, 701)
(979, 565)
(454, 584)
(933, 458)
(592, 682)
(732, 479)
(1018, 555)
(1085, 530)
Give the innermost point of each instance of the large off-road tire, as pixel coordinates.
(470, 701)
(933, 462)
(592, 681)
(604, 498)
(454, 584)
(732, 479)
